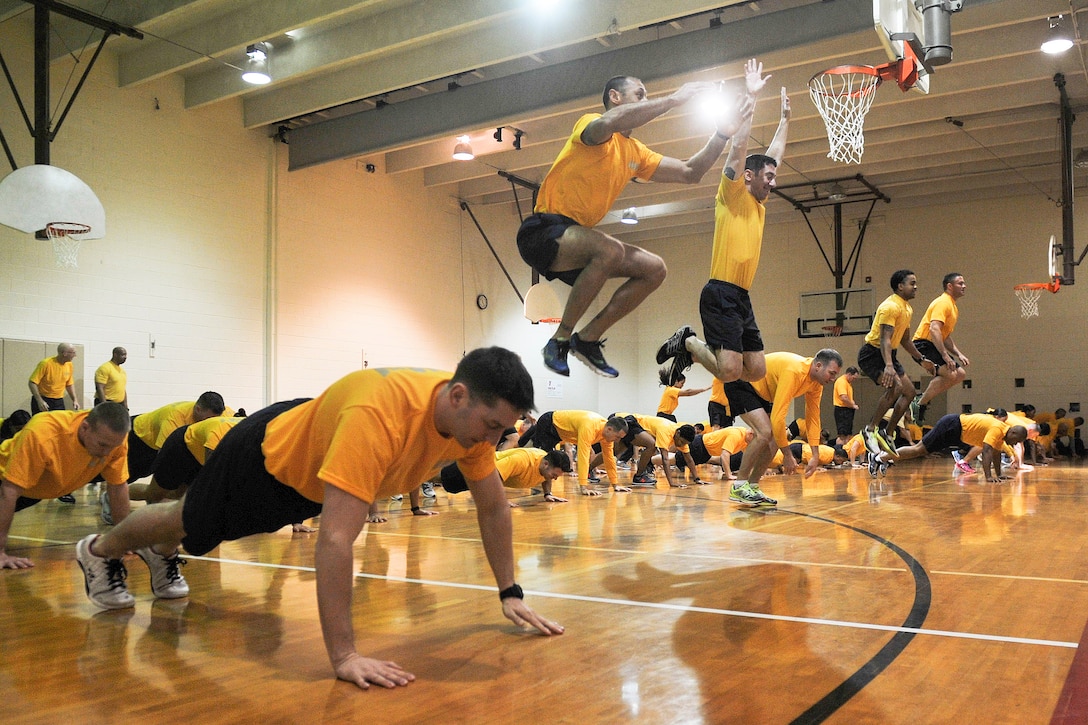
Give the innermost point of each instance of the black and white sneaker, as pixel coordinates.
(675, 344)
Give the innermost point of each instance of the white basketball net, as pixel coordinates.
(66, 238)
(843, 99)
(1029, 301)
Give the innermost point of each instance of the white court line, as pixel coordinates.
(677, 607)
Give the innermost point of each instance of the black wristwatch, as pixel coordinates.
(511, 591)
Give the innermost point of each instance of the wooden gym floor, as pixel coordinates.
(922, 598)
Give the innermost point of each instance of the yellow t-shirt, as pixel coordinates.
(46, 459)
(662, 429)
(114, 378)
(584, 429)
(983, 429)
(738, 233)
(670, 399)
(371, 434)
(787, 378)
(856, 446)
(826, 453)
(894, 312)
(731, 440)
(717, 393)
(943, 310)
(205, 435)
(52, 377)
(155, 427)
(584, 181)
(843, 389)
(520, 467)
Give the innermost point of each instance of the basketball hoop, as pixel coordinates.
(832, 330)
(66, 238)
(843, 95)
(1029, 295)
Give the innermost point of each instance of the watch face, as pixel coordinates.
(481, 301)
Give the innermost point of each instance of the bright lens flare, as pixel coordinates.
(713, 107)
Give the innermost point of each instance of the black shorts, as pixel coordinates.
(719, 415)
(175, 465)
(871, 362)
(633, 429)
(538, 243)
(235, 496)
(52, 403)
(945, 433)
(929, 351)
(844, 420)
(728, 320)
(666, 416)
(541, 434)
(141, 457)
(453, 481)
(743, 398)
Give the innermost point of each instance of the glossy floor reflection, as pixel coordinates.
(917, 598)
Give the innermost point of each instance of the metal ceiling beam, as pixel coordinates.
(484, 103)
(501, 38)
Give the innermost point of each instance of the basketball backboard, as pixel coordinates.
(835, 312)
(542, 303)
(895, 20)
(37, 195)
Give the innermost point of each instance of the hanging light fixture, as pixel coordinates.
(630, 216)
(257, 70)
(836, 193)
(1058, 39)
(463, 150)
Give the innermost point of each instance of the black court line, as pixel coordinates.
(923, 596)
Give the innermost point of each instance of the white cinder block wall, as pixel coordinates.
(183, 257)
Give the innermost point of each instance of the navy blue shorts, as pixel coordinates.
(234, 495)
(871, 362)
(633, 429)
(728, 320)
(945, 433)
(698, 452)
(538, 243)
(743, 398)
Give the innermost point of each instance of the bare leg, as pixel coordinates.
(601, 258)
(944, 380)
(156, 525)
(760, 451)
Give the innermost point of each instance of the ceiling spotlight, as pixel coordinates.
(518, 133)
(1058, 39)
(836, 192)
(257, 69)
(630, 216)
(463, 150)
(497, 135)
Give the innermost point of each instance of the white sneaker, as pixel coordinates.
(428, 490)
(166, 579)
(103, 579)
